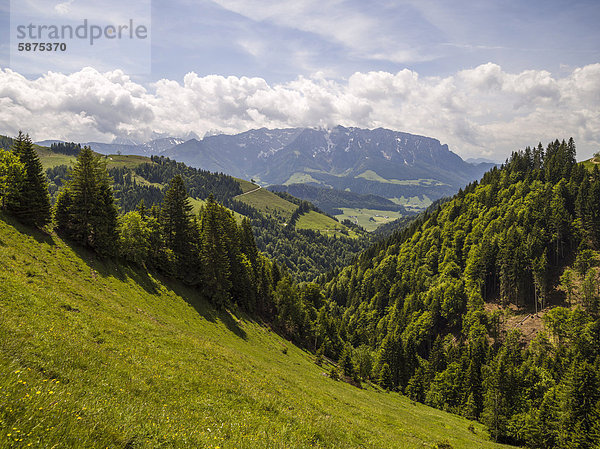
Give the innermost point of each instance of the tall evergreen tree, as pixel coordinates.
(176, 217)
(85, 209)
(214, 255)
(31, 202)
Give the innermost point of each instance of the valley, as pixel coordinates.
(272, 323)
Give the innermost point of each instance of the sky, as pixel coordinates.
(485, 77)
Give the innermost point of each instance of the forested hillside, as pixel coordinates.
(526, 236)
(305, 253)
(127, 301)
(428, 312)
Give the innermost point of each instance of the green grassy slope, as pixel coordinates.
(267, 202)
(322, 223)
(93, 354)
(370, 219)
(589, 164)
(51, 159)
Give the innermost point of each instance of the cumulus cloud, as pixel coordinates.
(63, 7)
(483, 111)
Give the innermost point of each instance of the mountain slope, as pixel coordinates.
(95, 354)
(451, 301)
(306, 253)
(331, 200)
(380, 161)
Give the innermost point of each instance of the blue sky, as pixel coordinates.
(486, 77)
(280, 40)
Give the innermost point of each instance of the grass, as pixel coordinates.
(413, 203)
(246, 186)
(589, 164)
(51, 159)
(128, 161)
(301, 178)
(324, 224)
(370, 175)
(94, 354)
(268, 203)
(370, 219)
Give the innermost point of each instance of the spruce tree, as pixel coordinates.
(85, 209)
(214, 255)
(176, 217)
(385, 377)
(176, 227)
(31, 203)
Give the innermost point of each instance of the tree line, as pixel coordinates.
(209, 250)
(528, 235)
(409, 313)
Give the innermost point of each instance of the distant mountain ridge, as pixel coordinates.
(125, 147)
(408, 169)
(390, 164)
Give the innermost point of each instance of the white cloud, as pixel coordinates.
(482, 111)
(360, 30)
(64, 7)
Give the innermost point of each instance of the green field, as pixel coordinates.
(322, 223)
(246, 186)
(94, 354)
(370, 175)
(268, 203)
(301, 178)
(413, 203)
(589, 164)
(369, 219)
(128, 161)
(51, 159)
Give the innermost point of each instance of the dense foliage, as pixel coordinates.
(68, 148)
(27, 198)
(410, 312)
(305, 253)
(417, 301)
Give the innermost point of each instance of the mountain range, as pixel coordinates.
(408, 169)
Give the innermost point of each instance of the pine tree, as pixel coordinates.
(346, 362)
(214, 255)
(31, 203)
(175, 217)
(85, 209)
(385, 377)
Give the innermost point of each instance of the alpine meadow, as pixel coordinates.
(260, 224)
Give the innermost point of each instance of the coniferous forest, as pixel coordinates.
(423, 312)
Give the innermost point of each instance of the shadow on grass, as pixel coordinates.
(113, 267)
(119, 269)
(38, 235)
(194, 297)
